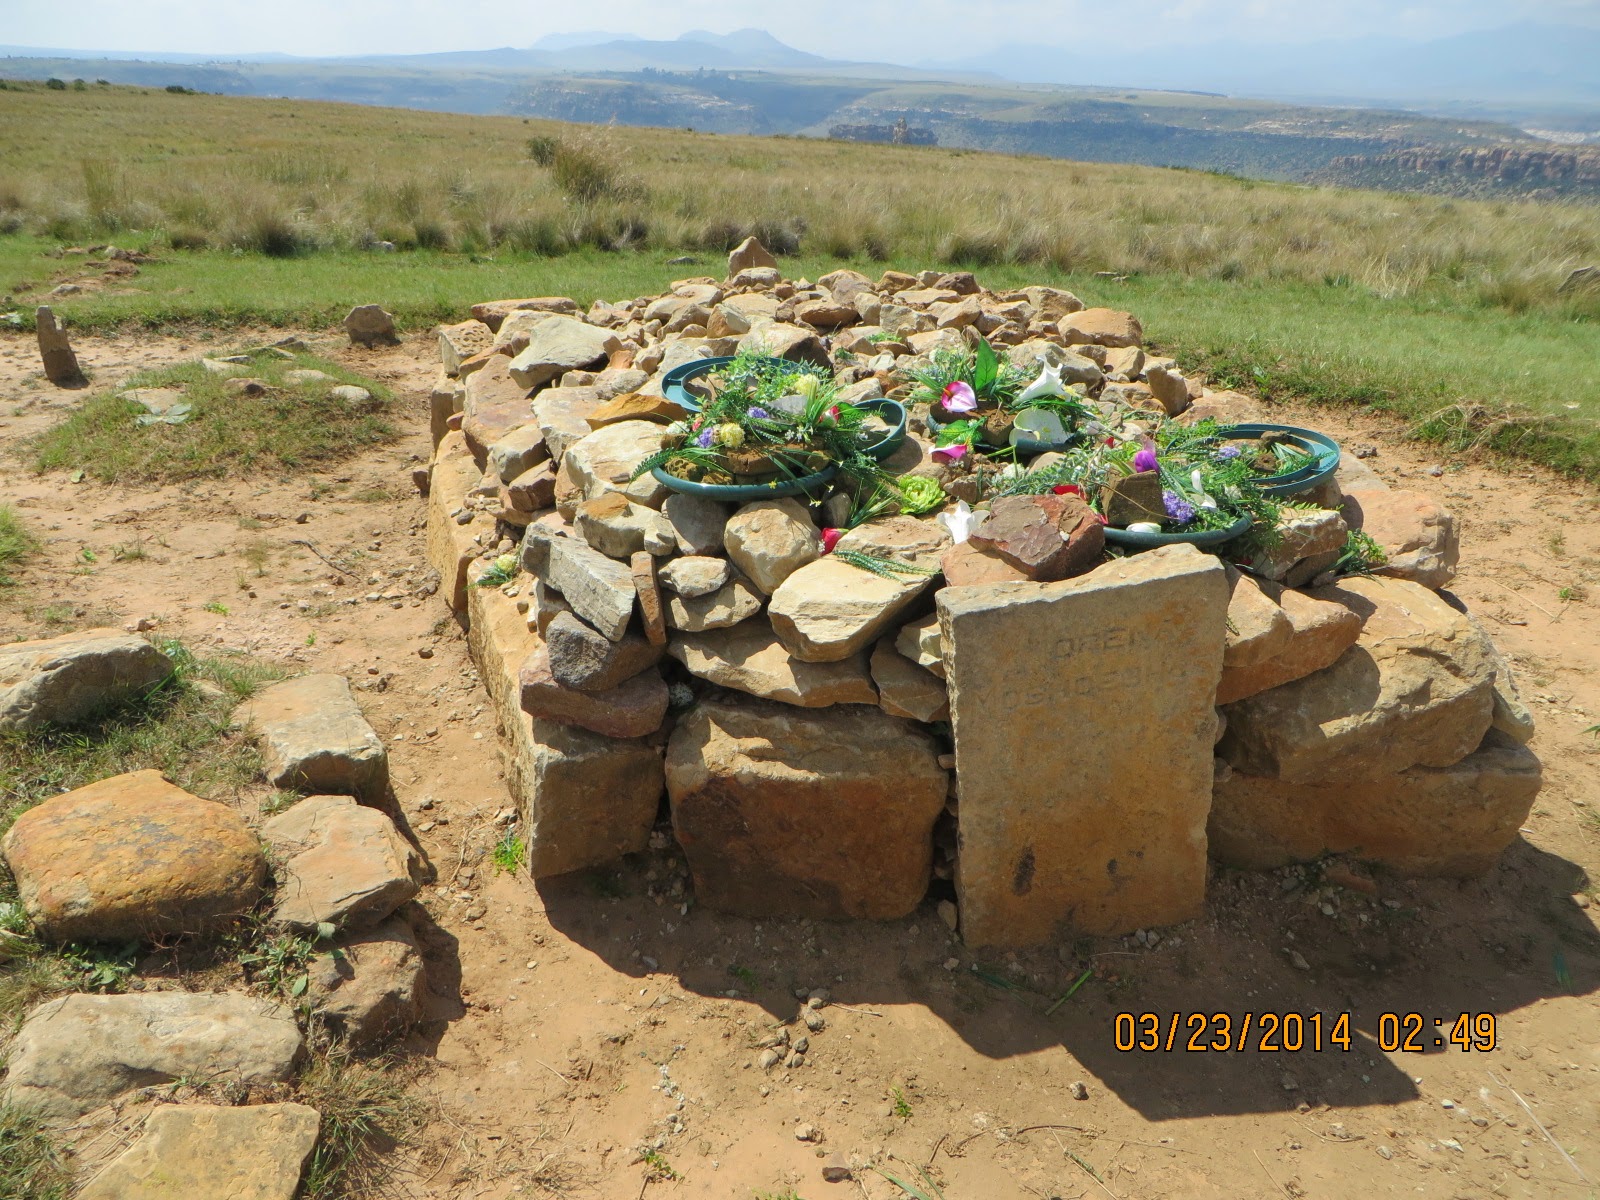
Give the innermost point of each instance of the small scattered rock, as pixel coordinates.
(1079, 1090)
(807, 1133)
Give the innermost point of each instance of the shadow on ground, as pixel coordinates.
(1437, 948)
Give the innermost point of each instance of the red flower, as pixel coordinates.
(1067, 489)
(1111, 441)
(830, 539)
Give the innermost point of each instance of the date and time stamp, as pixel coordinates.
(1292, 1032)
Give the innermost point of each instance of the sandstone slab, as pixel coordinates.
(587, 660)
(647, 590)
(494, 312)
(76, 1053)
(636, 406)
(619, 528)
(1101, 327)
(559, 345)
(132, 857)
(968, 563)
(518, 452)
(749, 254)
(696, 575)
(55, 350)
(1047, 538)
(1416, 689)
(368, 987)
(633, 708)
(604, 461)
(599, 589)
(1454, 820)
(828, 611)
(341, 863)
(1318, 628)
(768, 540)
(1418, 536)
(461, 341)
(210, 1152)
(495, 405)
(733, 602)
(450, 546)
(750, 658)
(922, 642)
(67, 679)
(562, 414)
(905, 689)
(1056, 832)
(777, 810)
(314, 737)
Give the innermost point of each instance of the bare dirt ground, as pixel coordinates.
(575, 1024)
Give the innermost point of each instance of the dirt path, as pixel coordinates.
(577, 1023)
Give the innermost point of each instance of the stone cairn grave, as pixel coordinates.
(1065, 738)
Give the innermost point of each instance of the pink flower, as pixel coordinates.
(959, 397)
(830, 539)
(1145, 460)
(950, 454)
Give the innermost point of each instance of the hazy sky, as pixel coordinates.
(878, 30)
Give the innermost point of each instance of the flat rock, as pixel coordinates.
(695, 575)
(77, 1052)
(562, 414)
(1047, 538)
(1418, 536)
(132, 857)
(604, 461)
(211, 1152)
(450, 546)
(518, 452)
(795, 343)
(586, 660)
(1416, 689)
(494, 406)
(1301, 535)
(750, 658)
(777, 809)
(828, 611)
(314, 737)
(922, 642)
(534, 490)
(635, 406)
(1454, 820)
(1101, 327)
(768, 540)
(65, 680)
(730, 604)
(599, 589)
(905, 689)
(494, 312)
(368, 987)
(559, 345)
(696, 522)
(619, 528)
(905, 539)
(1319, 627)
(461, 341)
(339, 862)
(633, 708)
(969, 563)
(1056, 843)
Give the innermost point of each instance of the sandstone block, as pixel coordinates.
(1320, 625)
(647, 590)
(562, 414)
(1303, 535)
(750, 658)
(696, 522)
(560, 345)
(599, 589)
(922, 642)
(1045, 537)
(778, 809)
(696, 575)
(1418, 535)
(1454, 820)
(532, 491)
(494, 312)
(64, 680)
(633, 708)
(368, 987)
(313, 737)
(618, 528)
(451, 548)
(828, 611)
(1416, 689)
(769, 540)
(1101, 327)
(518, 452)
(733, 602)
(587, 660)
(905, 689)
(341, 863)
(1093, 841)
(369, 325)
(461, 341)
(77, 1052)
(132, 857)
(748, 254)
(203, 1152)
(604, 461)
(55, 349)
(495, 406)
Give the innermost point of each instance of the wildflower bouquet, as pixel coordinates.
(974, 399)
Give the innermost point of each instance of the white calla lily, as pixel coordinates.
(1040, 424)
(960, 522)
(1048, 384)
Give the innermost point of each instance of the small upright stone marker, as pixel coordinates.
(60, 363)
(369, 325)
(1084, 726)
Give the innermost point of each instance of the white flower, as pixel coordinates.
(1048, 384)
(1040, 424)
(960, 522)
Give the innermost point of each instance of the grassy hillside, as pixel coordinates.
(257, 211)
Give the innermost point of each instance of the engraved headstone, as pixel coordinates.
(1083, 727)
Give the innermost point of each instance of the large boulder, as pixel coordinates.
(132, 857)
(314, 738)
(1453, 820)
(769, 540)
(1418, 536)
(64, 680)
(1416, 689)
(341, 863)
(368, 986)
(77, 1052)
(559, 345)
(207, 1152)
(777, 810)
(749, 658)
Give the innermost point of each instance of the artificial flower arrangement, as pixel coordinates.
(768, 420)
(976, 400)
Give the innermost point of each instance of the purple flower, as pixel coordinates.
(1228, 452)
(1145, 460)
(758, 413)
(704, 439)
(1179, 509)
(959, 397)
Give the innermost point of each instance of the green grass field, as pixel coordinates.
(256, 211)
